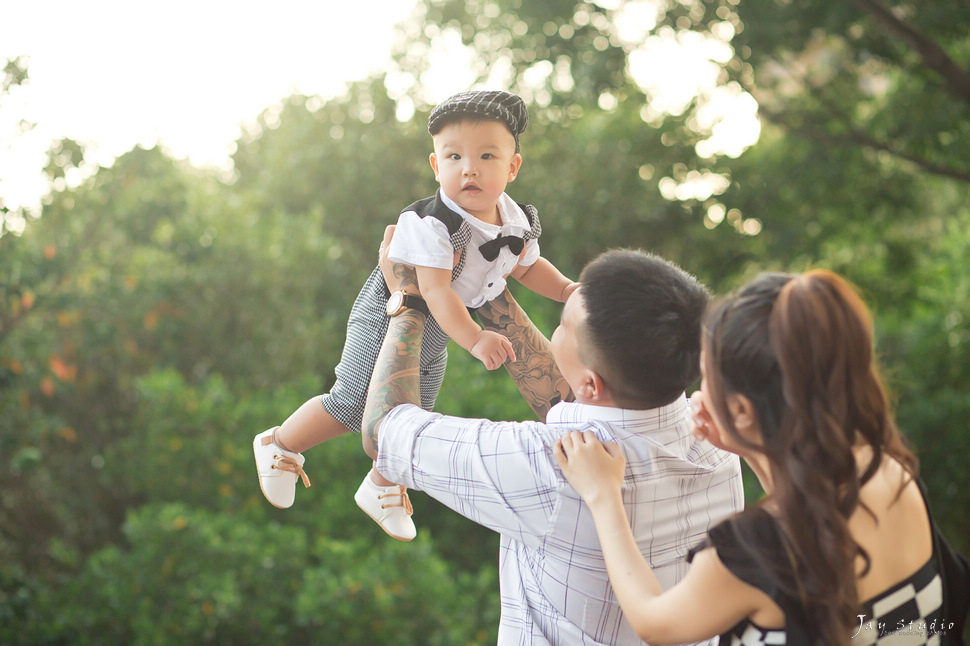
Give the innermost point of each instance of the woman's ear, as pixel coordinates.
(742, 413)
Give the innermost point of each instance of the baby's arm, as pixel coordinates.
(491, 348)
(544, 279)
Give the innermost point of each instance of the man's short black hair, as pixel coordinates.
(643, 326)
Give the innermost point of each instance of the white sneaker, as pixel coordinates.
(390, 508)
(278, 470)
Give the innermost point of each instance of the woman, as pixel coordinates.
(842, 548)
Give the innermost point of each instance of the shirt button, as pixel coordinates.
(490, 284)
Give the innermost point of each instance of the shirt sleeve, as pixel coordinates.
(499, 474)
(531, 252)
(421, 242)
(732, 539)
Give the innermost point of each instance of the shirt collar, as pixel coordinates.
(514, 219)
(572, 412)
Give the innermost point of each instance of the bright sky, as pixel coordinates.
(116, 73)
(187, 74)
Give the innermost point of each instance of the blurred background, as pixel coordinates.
(169, 290)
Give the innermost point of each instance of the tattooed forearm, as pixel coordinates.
(407, 276)
(535, 373)
(396, 379)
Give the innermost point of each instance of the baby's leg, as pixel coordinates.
(309, 425)
(378, 479)
(312, 424)
(278, 451)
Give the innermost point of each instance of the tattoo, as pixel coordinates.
(406, 274)
(396, 379)
(535, 373)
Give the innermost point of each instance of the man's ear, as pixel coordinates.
(592, 387)
(433, 159)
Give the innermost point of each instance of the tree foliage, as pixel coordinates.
(154, 318)
(889, 78)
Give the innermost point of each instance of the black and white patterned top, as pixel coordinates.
(910, 613)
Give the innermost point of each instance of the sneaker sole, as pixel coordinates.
(395, 537)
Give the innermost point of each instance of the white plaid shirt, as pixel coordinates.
(552, 577)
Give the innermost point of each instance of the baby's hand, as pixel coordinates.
(492, 349)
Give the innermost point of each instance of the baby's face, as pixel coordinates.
(474, 161)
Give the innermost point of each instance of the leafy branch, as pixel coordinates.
(930, 52)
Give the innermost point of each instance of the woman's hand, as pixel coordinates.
(593, 468)
(705, 428)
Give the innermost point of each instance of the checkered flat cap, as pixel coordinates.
(492, 104)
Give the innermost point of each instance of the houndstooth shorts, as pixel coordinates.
(366, 328)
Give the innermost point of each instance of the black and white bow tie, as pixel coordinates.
(491, 248)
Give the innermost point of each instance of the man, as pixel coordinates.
(627, 345)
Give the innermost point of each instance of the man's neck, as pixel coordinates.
(605, 402)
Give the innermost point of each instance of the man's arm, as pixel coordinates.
(475, 485)
(535, 373)
(396, 378)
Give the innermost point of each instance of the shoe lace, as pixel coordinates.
(403, 502)
(286, 463)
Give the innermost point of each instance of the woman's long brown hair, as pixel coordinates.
(800, 348)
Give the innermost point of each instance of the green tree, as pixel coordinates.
(888, 77)
(843, 176)
(154, 325)
(153, 318)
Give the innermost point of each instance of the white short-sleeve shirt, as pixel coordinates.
(425, 242)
